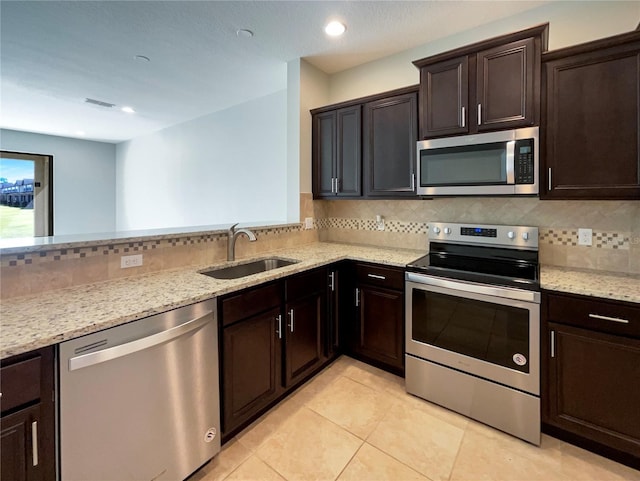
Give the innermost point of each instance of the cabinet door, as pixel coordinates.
(593, 386)
(349, 155)
(381, 326)
(251, 367)
(506, 86)
(592, 105)
(324, 154)
(390, 136)
(20, 457)
(444, 91)
(303, 351)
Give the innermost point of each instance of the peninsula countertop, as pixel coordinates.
(36, 321)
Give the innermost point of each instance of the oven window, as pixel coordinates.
(483, 330)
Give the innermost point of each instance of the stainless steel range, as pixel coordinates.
(473, 325)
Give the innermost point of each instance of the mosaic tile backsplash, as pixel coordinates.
(615, 243)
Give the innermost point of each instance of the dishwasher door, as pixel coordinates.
(141, 401)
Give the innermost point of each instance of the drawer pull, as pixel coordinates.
(376, 276)
(279, 331)
(553, 344)
(607, 318)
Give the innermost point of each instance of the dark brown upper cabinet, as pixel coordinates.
(590, 116)
(366, 147)
(490, 85)
(390, 134)
(336, 153)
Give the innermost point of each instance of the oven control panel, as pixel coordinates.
(496, 235)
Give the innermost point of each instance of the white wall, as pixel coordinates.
(229, 166)
(570, 23)
(83, 179)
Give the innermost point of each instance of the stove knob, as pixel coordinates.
(436, 230)
(511, 234)
(447, 230)
(525, 236)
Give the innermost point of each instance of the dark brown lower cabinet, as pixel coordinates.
(592, 394)
(251, 367)
(378, 335)
(303, 344)
(27, 430)
(272, 339)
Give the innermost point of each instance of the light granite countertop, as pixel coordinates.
(36, 321)
(608, 285)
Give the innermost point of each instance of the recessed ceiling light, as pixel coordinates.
(142, 58)
(335, 28)
(128, 110)
(244, 33)
(81, 133)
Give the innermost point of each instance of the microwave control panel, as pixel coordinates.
(524, 163)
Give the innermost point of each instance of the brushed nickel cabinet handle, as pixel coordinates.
(279, 331)
(291, 316)
(553, 343)
(607, 318)
(332, 276)
(462, 114)
(376, 276)
(34, 442)
(357, 297)
(479, 114)
(549, 178)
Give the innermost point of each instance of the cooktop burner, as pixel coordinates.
(487, 254)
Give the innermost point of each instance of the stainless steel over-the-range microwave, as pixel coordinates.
(495, 163)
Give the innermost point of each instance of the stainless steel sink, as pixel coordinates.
(248, 268)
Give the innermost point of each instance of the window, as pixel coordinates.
(26, 195)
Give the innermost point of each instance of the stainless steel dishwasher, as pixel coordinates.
(141, 401)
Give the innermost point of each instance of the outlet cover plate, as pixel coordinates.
(585, 237)
(308, 223)
(130, 261)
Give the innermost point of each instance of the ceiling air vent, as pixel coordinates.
(100, 103)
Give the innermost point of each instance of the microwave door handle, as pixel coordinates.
(511, 176)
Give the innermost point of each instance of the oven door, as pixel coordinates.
(488, 331)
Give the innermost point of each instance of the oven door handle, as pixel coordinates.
(508, 293)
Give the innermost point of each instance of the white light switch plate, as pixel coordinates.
(584, 237)
(130, 261)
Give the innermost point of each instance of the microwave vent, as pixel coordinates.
(99, 103)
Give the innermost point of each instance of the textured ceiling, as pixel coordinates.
(54, 54)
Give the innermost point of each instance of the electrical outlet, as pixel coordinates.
(308, 223)
(379, 222)
(584, 237)
(131, 261)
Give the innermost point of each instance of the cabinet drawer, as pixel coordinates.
(597, 314)
(20, 383)
(306, 284)
(388, 277)
(250, 302)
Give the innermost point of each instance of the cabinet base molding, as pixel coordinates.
(621, 457)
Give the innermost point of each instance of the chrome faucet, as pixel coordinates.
(233, 234)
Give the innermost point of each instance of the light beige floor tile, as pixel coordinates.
(354, 406)
(259, 431)
(490, 455)
(374, 378)
(371, 464)
(232, 455)
(423, 442)
(576, 463)
(317, 384)
(309, 447)
(254, 469)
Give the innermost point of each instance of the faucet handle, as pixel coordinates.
(233, 227)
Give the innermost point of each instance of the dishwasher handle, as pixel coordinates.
(110, 353)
